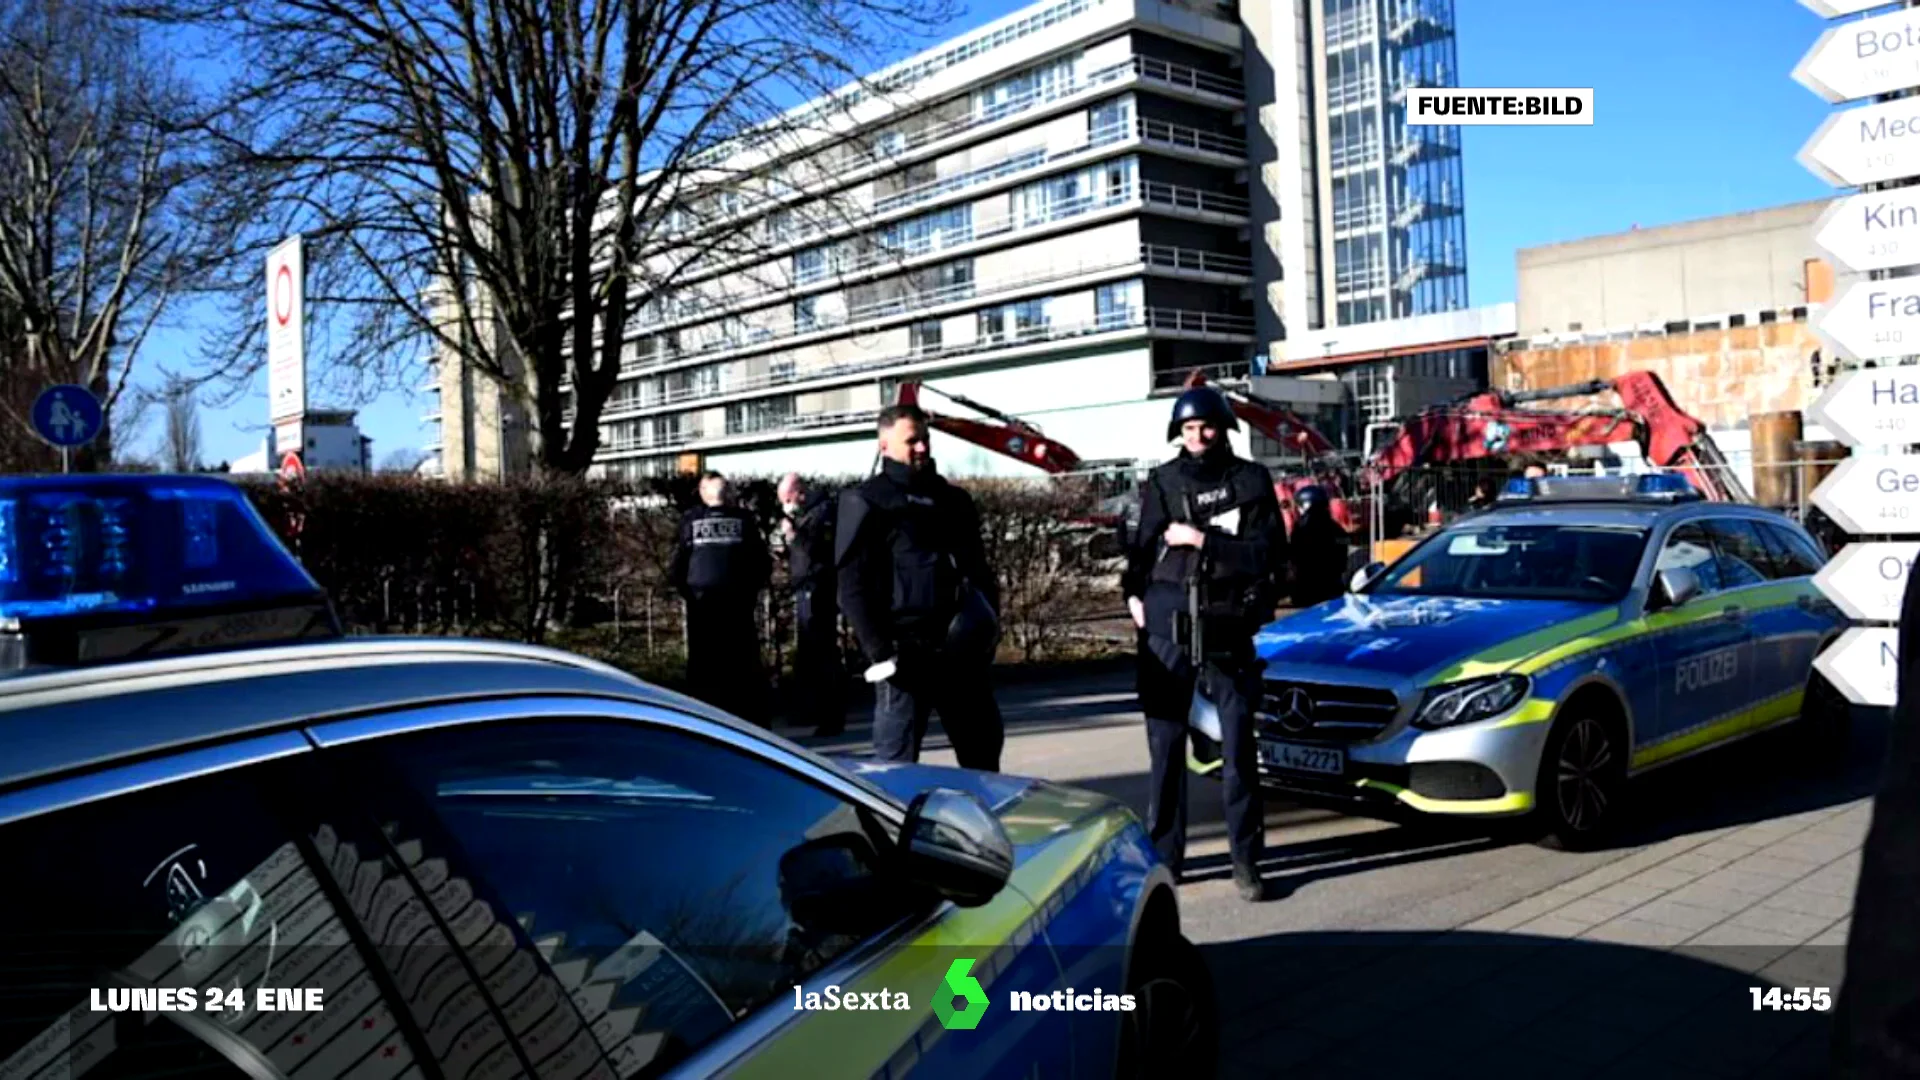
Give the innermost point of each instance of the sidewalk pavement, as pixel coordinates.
(1642, 968)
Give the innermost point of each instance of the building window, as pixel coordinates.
(993, 324)
(1029, 317)
(803, 314)
(809, 265)
(923, 338)
(1109, 119)
(1114, 305)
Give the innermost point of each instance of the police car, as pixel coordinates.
(1531, 658)
(239, 843)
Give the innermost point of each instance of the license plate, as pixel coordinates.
(1313, 759)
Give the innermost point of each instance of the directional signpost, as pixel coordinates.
(1868, 145)
(1860, 59)
(1872, 407)
(1864, 665)
(1873, 320)
(1877, 230)
(1833, 9)
(1868, 581)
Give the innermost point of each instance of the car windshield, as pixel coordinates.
(1521, 562)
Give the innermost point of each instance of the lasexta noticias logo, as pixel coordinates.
(959, 985)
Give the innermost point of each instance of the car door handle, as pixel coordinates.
(1733, 614)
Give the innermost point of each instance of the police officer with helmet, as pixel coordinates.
(1319, 549)
(915, 585)
(720, 565)
(1203, 574)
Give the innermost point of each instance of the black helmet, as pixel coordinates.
(1201, 403)
(974, 633)
(1310, 496)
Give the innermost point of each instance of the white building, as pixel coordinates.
(333, 444)
(1058, 217)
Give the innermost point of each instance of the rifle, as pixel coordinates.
(1196, 577)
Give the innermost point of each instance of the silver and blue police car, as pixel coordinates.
(239, 843)
(1532, 658)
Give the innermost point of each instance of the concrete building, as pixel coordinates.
(333, 444)
(1701, 271)
(1056, 215)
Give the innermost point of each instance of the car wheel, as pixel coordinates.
(1174, 1028)
(1825, 727)
(1582, 784)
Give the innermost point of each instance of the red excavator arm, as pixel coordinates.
(1011, 436)
(1494, 424)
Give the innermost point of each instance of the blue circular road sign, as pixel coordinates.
(67, 416)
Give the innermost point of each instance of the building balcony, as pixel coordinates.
(1425, 269)
(1151, 322)
(1418, 148)
(1414, 211)
(1163, 259)
(905, 149)
(1172, 199)
(1416, 23)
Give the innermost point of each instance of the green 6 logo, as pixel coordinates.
(961, 985)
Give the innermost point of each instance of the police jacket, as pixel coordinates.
(1319, 550)
(721, 555)
(1243, 561)
(810, 551)
(906, 545)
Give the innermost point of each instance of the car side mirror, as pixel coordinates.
(1364, 576)
(1676, 586)
(953, 845)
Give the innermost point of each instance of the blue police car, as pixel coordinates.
(237, 842)
(1530, 659)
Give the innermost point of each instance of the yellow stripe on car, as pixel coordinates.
(1774, 710)
(1510, 803)
(1500, 657)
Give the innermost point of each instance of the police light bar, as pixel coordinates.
(1663, 487)
(96, 568)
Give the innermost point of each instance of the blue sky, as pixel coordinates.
(1695, 114)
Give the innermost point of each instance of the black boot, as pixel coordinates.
(1247, 880)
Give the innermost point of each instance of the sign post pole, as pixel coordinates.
(1876, 412)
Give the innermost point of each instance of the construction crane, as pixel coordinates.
(1495, 424)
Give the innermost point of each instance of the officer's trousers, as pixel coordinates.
(820, 673)
(723, 656)
(1233, 685)
(963, 696)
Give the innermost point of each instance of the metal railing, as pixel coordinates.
(1206, 262)
(1163, 320)
(1186, 137)
(1154, 193)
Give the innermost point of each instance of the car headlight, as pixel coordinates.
(1475, 699)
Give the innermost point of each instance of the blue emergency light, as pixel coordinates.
(1664, 487)
(100, 567)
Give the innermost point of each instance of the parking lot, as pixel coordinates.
(1463, 952)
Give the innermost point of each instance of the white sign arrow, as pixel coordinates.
(1866, 145)
(1868, 581)
(1864, 665)
(1872, 407)
(1863, 58)
(1873, 320)
(1875, 230)
(1873, 495)
(1833, 9)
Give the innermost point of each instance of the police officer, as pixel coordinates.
(720, 566)
(915, 584)
(1210, 537)
(1318, 547)
(806, 526)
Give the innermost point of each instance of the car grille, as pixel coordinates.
(1336, 713)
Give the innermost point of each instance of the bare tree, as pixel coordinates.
(404, 460)
(183, 429)
(501, 180)
(100, 193)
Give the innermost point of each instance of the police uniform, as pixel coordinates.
(1237, 573)
(720, 565)
(916, 587)
(1319, 550)
(817, 665)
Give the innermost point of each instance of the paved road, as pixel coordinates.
(1351, 891)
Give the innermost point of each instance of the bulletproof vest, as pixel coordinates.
(810, 553)
(719, 556)
(916, 526)
(1207, 501)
